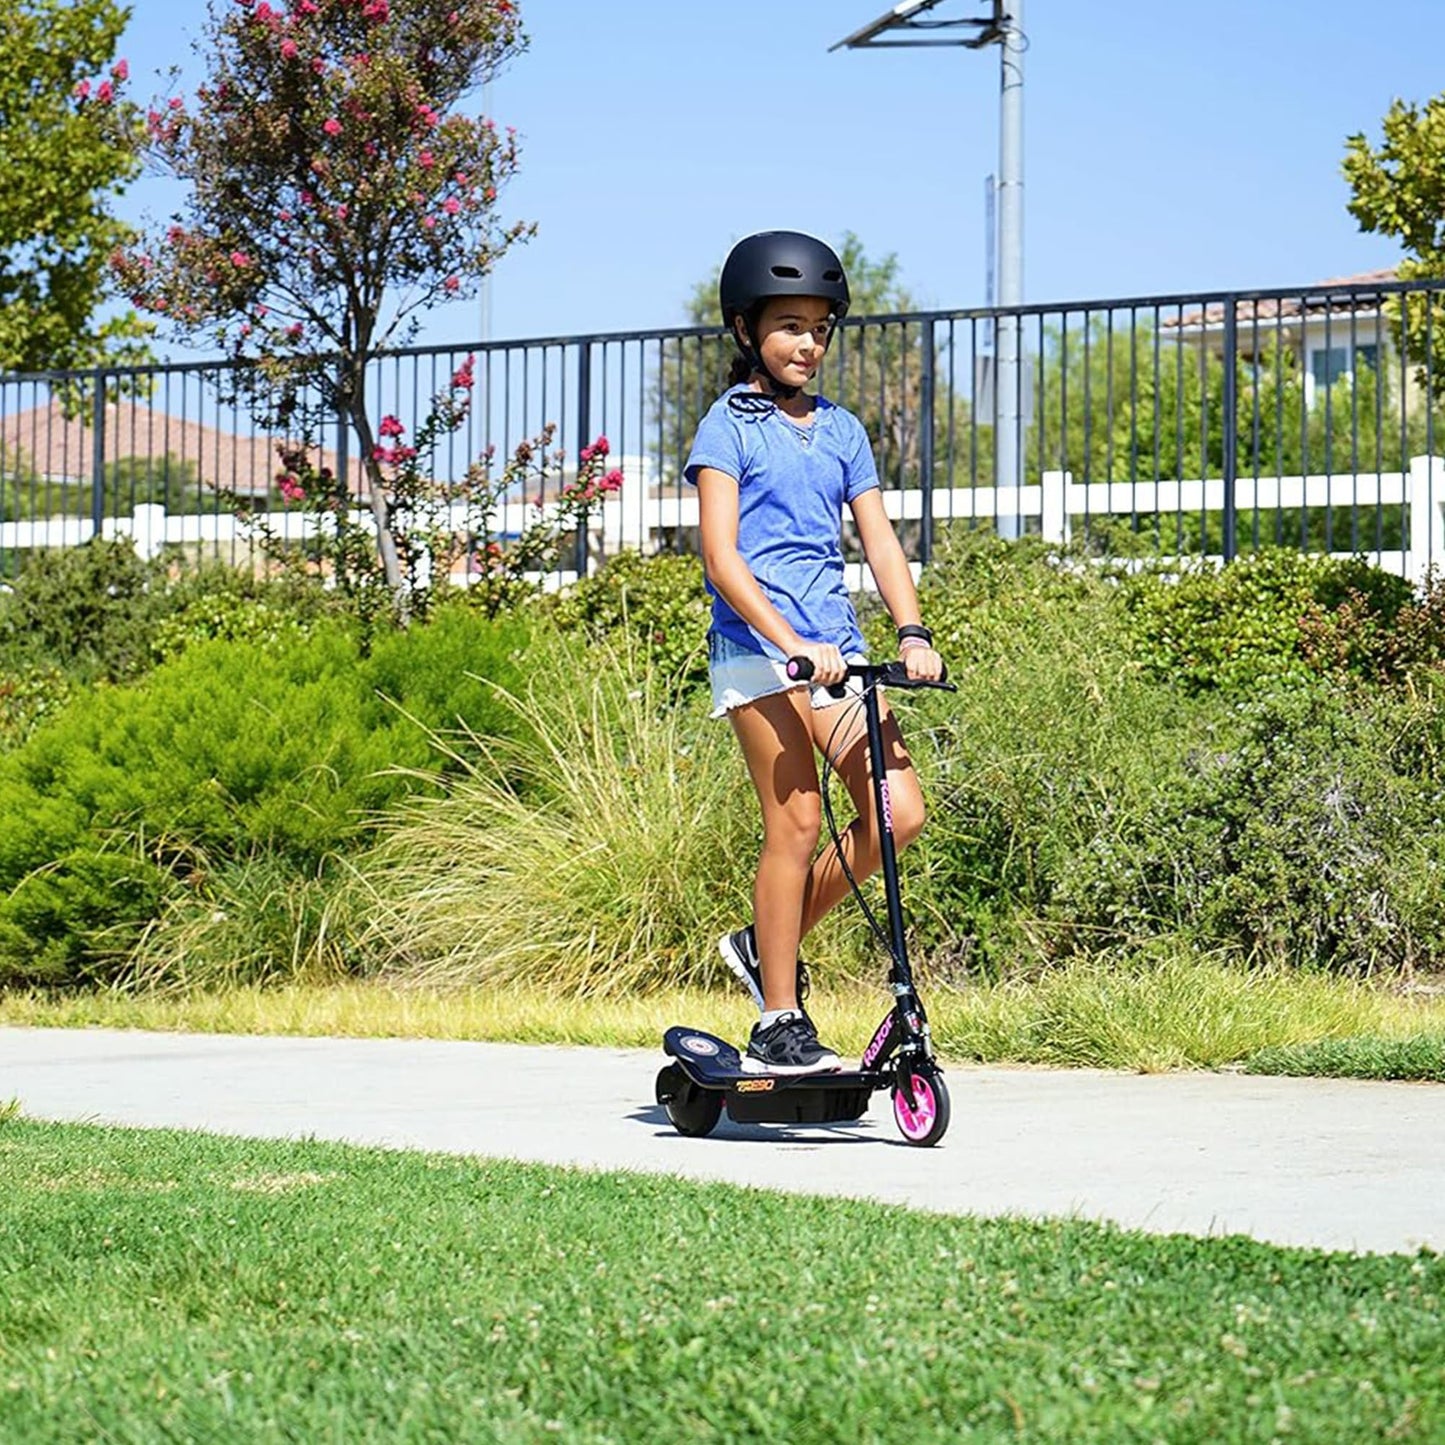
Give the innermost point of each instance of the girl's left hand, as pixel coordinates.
(922, 662)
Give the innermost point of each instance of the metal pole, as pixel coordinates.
(97, 456)
(1007, 436)
(1230, 426)
(584, 431)
(927, 394)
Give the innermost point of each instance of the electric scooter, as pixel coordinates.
(707, 1077)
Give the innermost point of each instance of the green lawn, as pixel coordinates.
(160, 1286)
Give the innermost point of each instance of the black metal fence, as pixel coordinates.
(1195, 425)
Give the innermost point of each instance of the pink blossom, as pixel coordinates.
(612, 482)
(451, 205)
(105, 92)
(261, 312)
(283, 215)
(342, 211)
(429, 222)
(318, 66)
(601, 446)
(463, 378)
(175, 102)
(308, 7)
(587, 454)
(294, 330)
(426, 160)
(452, 283)
(453, 17)
(82, 90)
(391, 427)
(289, 49)
(240, 258)
(121, 71)
(332, 126)
(290, 486)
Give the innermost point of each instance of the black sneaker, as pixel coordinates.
(790, 1046)
(740, 952)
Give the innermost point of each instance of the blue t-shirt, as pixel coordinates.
(793, 482)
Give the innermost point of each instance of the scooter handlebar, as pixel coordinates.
(888, 674)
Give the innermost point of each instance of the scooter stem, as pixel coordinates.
(899, 973)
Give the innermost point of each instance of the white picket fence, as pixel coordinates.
(639, 515)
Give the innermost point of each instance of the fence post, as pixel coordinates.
(1427, 524)
(584, 426)
(1055, 512)
(97, 455)
(1231, 423)
(926, 392)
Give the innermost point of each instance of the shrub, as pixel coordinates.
(235, 752)
(89, 610)
(659, 601)
(1272, 618)
(76, 919)
(1300, 842)
(28, 695)
(1053, 733)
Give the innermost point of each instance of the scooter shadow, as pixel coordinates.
(856, 1131)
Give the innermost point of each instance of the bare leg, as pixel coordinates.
(827, 884)
(777, 742)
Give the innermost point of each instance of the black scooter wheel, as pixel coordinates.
(693, 1111)
(925, 1121)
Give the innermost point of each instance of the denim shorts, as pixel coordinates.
(740, 676)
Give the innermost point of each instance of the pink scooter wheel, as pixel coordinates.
(925, 1121)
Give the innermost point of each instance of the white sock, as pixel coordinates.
(776, 1015)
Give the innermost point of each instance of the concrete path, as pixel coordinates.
(1332, 1163)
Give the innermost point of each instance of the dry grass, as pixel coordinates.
(1178, 1015)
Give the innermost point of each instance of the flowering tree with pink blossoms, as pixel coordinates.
(439, 526)
(337, 189)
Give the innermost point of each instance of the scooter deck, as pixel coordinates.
(713, 1063)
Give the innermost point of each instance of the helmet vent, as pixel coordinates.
(788, 273)
(832, 275)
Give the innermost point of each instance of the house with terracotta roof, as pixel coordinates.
(1331, 333)
(50, 443)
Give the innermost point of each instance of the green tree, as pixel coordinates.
(1126, 404)
(1398, 189)
(71, 144)
(336, 191)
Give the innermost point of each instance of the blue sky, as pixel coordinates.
(1170, 146)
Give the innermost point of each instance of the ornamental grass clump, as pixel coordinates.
(601, 852)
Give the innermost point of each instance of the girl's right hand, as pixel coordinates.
(827, 660)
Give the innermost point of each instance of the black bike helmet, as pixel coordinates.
(777, 263)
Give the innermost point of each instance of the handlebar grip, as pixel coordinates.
(800, 669)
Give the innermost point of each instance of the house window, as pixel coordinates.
(1368, 356)
(1328, 364)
